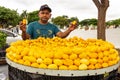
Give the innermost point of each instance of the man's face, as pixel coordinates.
(44, 15)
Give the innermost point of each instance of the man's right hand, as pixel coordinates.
(22, 27)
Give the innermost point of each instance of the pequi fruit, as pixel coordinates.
(74, 22)
(63, 54)
(83, 67)
(52, 66)
(24, 21)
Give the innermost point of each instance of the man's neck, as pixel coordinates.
(41, 22)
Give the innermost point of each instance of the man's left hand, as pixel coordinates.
(72, 26)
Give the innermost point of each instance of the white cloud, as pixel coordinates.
(82, 9)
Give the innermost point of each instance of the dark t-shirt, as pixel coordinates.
(35, 30)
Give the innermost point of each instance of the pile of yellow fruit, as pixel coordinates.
(63, 54)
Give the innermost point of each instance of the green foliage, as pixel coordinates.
(11, 17)
(2, 39)
(60, 21)
(87, 22)
(8, 17)
(73, 19)
(33, 16)
(23, 15)
(63, 20)
(113, 22)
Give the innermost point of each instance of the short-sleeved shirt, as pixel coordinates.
(35, 30)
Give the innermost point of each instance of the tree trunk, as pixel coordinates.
(101, 24)
(102, 6)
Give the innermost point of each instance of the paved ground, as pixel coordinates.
(3, 72)
(112, 35)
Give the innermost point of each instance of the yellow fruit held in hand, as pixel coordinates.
(74, 22)
(24, 21)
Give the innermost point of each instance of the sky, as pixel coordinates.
(82, 9)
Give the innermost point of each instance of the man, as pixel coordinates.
(42, 28)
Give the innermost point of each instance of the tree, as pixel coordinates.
(24, 14)
(88, 22)
(116, 23)
(33, 16)
(8, 17)
(102, 6)
(60, 21)
(73, 19)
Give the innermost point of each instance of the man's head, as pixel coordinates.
(44, 13)
(45, 7)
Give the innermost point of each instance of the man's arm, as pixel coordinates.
(25, 35)
(23, 29)
(67, 32)
(63, 34)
